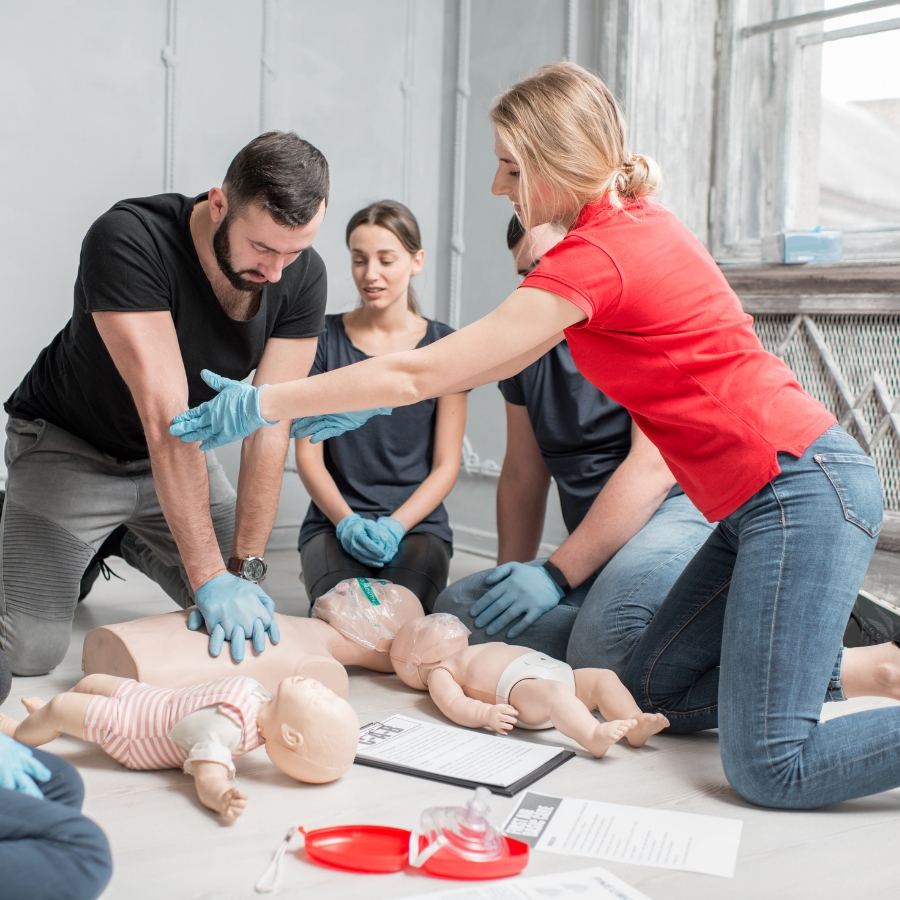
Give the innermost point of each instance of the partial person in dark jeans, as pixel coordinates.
(48, 850)
(377, 492)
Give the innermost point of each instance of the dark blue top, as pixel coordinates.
(582, 434)
(379, 466)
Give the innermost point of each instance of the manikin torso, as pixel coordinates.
(477, 669)
(162, 651)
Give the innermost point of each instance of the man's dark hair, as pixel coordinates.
(515, 232)
(282, 174)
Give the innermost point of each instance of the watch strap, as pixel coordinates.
(235, 565)
(556, 574)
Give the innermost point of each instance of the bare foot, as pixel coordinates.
(32, 704)
(648, 724)
(8, 726)
(231, 804)
(608, 733)
(872, 671)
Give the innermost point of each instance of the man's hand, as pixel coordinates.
(519, 589)
(231, 416)
(321, 428)
(233, 608)
(19, 769)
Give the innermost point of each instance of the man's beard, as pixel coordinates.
(222, 250)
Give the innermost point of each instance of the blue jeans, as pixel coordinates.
(48, 849)
(747, 637)
(598, 623)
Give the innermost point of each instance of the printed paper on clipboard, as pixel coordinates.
(460, 756)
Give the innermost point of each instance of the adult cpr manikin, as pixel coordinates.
(353, 625)
(501, 686)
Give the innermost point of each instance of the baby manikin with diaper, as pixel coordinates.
(502, 686)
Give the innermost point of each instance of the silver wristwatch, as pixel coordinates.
(251, 568)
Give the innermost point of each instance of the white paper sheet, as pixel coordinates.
(588, 884)
(462, 753)
(632, 834)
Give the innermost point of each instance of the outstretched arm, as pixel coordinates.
(456, 706)
(216, 792)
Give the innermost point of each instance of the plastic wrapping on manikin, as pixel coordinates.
(365, 610)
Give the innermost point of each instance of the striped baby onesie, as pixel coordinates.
(132, 725)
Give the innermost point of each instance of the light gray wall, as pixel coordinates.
(92, 114)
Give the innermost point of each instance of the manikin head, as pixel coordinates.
(527, 247)
(310, 733)
(422, 643)
(368, 611)
(269, 209)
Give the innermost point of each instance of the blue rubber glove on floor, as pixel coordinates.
(19, 769)
(518, 589)
(390, 532)
(321, 428)
(232, 415)
(359, 538)
(234, 609)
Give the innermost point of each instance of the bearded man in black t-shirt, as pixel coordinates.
(167, 286)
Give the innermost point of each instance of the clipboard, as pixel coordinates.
(462, 756)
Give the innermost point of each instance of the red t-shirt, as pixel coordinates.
(666, 337)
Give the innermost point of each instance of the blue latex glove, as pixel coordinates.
(229, 417)
(232, 609)
(390, 532)
(320, 428)
(518, 589)
(19, 769)
(359, 538)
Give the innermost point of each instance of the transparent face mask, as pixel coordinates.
(464, 831)
(364, 610)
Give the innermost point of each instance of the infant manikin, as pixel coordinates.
(352, 625)
(308, 731)
(501, 686)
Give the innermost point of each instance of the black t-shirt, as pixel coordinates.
(379, 466)
(582, 434)
(139, 257)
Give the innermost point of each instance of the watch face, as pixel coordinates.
(254, 569)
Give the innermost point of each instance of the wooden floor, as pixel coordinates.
(166, 845)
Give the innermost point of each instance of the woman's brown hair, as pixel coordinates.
(401, 223)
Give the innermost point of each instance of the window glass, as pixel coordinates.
(859, 138)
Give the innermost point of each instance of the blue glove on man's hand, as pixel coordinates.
(320, 428)
(232, 609)
(518, 589)
(19, 769)
(389, 533)
(229, 417)
(359, 538)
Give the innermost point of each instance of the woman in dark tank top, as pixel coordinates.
(377, 492)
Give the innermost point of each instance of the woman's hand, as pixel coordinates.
(359, 538)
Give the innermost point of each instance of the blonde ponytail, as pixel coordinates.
(566, 128)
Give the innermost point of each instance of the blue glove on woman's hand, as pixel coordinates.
(320, 428)
(359, 538)
(389, 532)
(19, 769)
(229, 417)
(233, 609)
(518, 589)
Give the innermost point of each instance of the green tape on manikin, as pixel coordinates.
(367, 590)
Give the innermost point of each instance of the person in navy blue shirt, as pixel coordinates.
(623, 510)
(377, 492)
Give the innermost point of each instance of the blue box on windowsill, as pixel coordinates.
(793, 247)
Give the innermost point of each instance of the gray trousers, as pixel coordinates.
(63, 499)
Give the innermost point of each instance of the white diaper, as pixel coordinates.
(534, 665)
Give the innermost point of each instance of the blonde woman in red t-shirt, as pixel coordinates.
(748, 636)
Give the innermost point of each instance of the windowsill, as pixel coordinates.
(871, 287)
